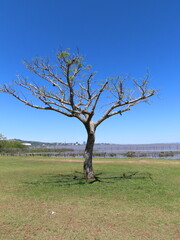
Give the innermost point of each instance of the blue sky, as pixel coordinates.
(116, 37)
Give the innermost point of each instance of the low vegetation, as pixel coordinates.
(14, 147)
(11, 146)
(167, 154)
(151, 154)
(48, 198)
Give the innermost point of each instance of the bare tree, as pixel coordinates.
(69, 88)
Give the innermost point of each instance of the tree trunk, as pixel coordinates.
(88, 168)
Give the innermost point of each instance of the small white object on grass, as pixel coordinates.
(53, 212)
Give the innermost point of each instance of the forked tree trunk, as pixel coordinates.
(88, 154)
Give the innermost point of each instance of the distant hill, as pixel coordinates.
(39, 143)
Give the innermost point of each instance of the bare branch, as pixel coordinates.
(98, 95)
(29, 103)
(129, 103)
(65, 92)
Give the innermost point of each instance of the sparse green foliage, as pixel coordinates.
(63, 54)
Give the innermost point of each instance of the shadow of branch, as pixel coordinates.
(77, 178)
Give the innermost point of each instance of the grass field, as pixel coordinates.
(46, 199)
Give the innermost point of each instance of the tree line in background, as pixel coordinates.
(15, 146)
(10, 145)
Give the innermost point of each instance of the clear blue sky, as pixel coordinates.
(116, 37)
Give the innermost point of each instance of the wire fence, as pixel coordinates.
(119, 148)
(103, 150)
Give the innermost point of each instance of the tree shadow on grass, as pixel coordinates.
(77, 178)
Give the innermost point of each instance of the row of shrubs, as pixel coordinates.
(137, 154)
(161, 154)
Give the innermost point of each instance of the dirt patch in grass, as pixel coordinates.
(116, 161)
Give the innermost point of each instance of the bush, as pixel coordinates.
(166, 154)
(9, 145)
(130, 154)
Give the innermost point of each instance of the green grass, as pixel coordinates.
(42, 198)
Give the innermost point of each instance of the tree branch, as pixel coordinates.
(65, 92)
(129, 104)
